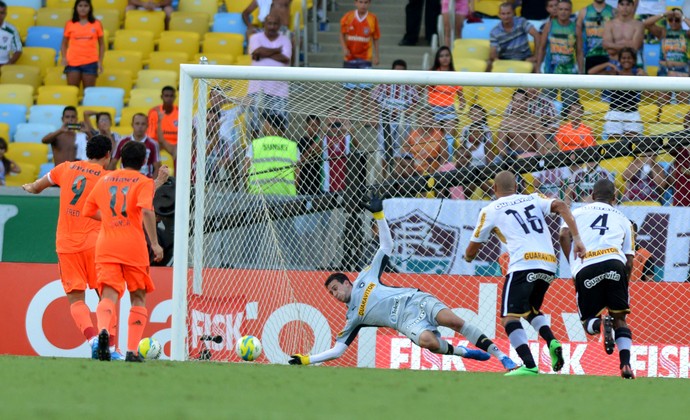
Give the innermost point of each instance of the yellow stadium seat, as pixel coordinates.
(21, 74)
(118, 78)
(98, 109)
(243, 60)
(597, 126)
(144, 98)
(47, 16)
(31, 153)
(210, 7)
(616, 166)
(641, 203)
(236, 6)
(656, 129)
(177, 41)
(134, 40)
(512, 66)
(129, 111)
(580, 4)
(590, 95)
(119, 5)
(55, 76)
(125, 60)
(470, 64)
(470, 48)
(122, 130)
(226, 43)
(41, 57)
(652, 70)
(488, 7)
(665, 158)
(192, 21)
(674, 113)
(168, 60)
(595, 109)
(4, 131)
(649, 113)
(145, 20)
(494, 99)
(168, 160)
(217, 58)
(60, 4)
(58, 95)
(17, 94)
(28, 174)
(110, 19)
(156, 79)
(22, 18)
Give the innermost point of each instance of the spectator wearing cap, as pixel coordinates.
(271, 161)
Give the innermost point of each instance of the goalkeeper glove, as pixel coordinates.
(299, 359)
(374, 204)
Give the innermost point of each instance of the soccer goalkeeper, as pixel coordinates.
(410, 311)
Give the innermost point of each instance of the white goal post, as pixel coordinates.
(220, 251)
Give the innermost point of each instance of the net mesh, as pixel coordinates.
(268, 228)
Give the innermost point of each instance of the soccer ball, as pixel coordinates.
(150, 348)
(248, 348)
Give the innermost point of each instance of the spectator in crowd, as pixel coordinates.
(582, 181)
(163, 122)
(477, 138)
(83, 46)
(623, 118)
(558, 50)
(310, 151)
(10, 42)
(553, 182)
(574, 134)
(442, 98)
(521, 133)
(623, 31)
(336, 146)
(271, 161)
(542, 107)
(643, 266)
(508, 40)
(278, 8)
(681, 172)
(69, 141)
(151, 5)
(552, 11)
(359, 40)
(463, 8)
(674, 48)
(103, 125)
(396, 103)
(7, 166)
(427, 144)
(645, 180)
(152, 161)
(590, 35)
(269, 49)
(413, 20)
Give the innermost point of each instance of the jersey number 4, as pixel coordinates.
(600, 224)
(534, 221)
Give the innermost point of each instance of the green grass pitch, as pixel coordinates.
(35, 387)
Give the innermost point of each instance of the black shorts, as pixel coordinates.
(524, 291)
(600, 286)
(595, 60)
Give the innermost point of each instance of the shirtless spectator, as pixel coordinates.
(68, 142)
(521, 133)
(280, 8)
(623, 31)
(509, 39)
(542, 107)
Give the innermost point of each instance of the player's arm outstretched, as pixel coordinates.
(39, 185)
(374, 204)
(562, 209)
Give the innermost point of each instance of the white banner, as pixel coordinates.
(431, 236)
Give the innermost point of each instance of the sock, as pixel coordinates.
(481, 341)
(518, 339)
(104, 313)
(624, 342)
(447, 348)
(82, 318)
(593, 326)
(112, 329)
(138, 316)
(541, 324)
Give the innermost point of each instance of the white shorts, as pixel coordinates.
(419, 315)
(618, 122)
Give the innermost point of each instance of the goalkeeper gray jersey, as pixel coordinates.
(373, 304)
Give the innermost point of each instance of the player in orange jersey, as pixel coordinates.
(123, 201)
(76, 236)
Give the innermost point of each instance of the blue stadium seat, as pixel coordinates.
(45, 168)
(46, 114)
(479, 30)
(32, 132)
(44, 36)
(229, 22)
(674, 3)
(34, 4)
(13, 115)
(651, 54)
(105, 96)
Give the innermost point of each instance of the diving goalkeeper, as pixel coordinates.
(416, 314)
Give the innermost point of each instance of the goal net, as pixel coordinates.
(272, 167)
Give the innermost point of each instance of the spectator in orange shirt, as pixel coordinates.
(359, 40)
(82, 46)
(574, 135)
(426, 145)
(442, 98)
(76, 236)
(123, 201)
(163, 122)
